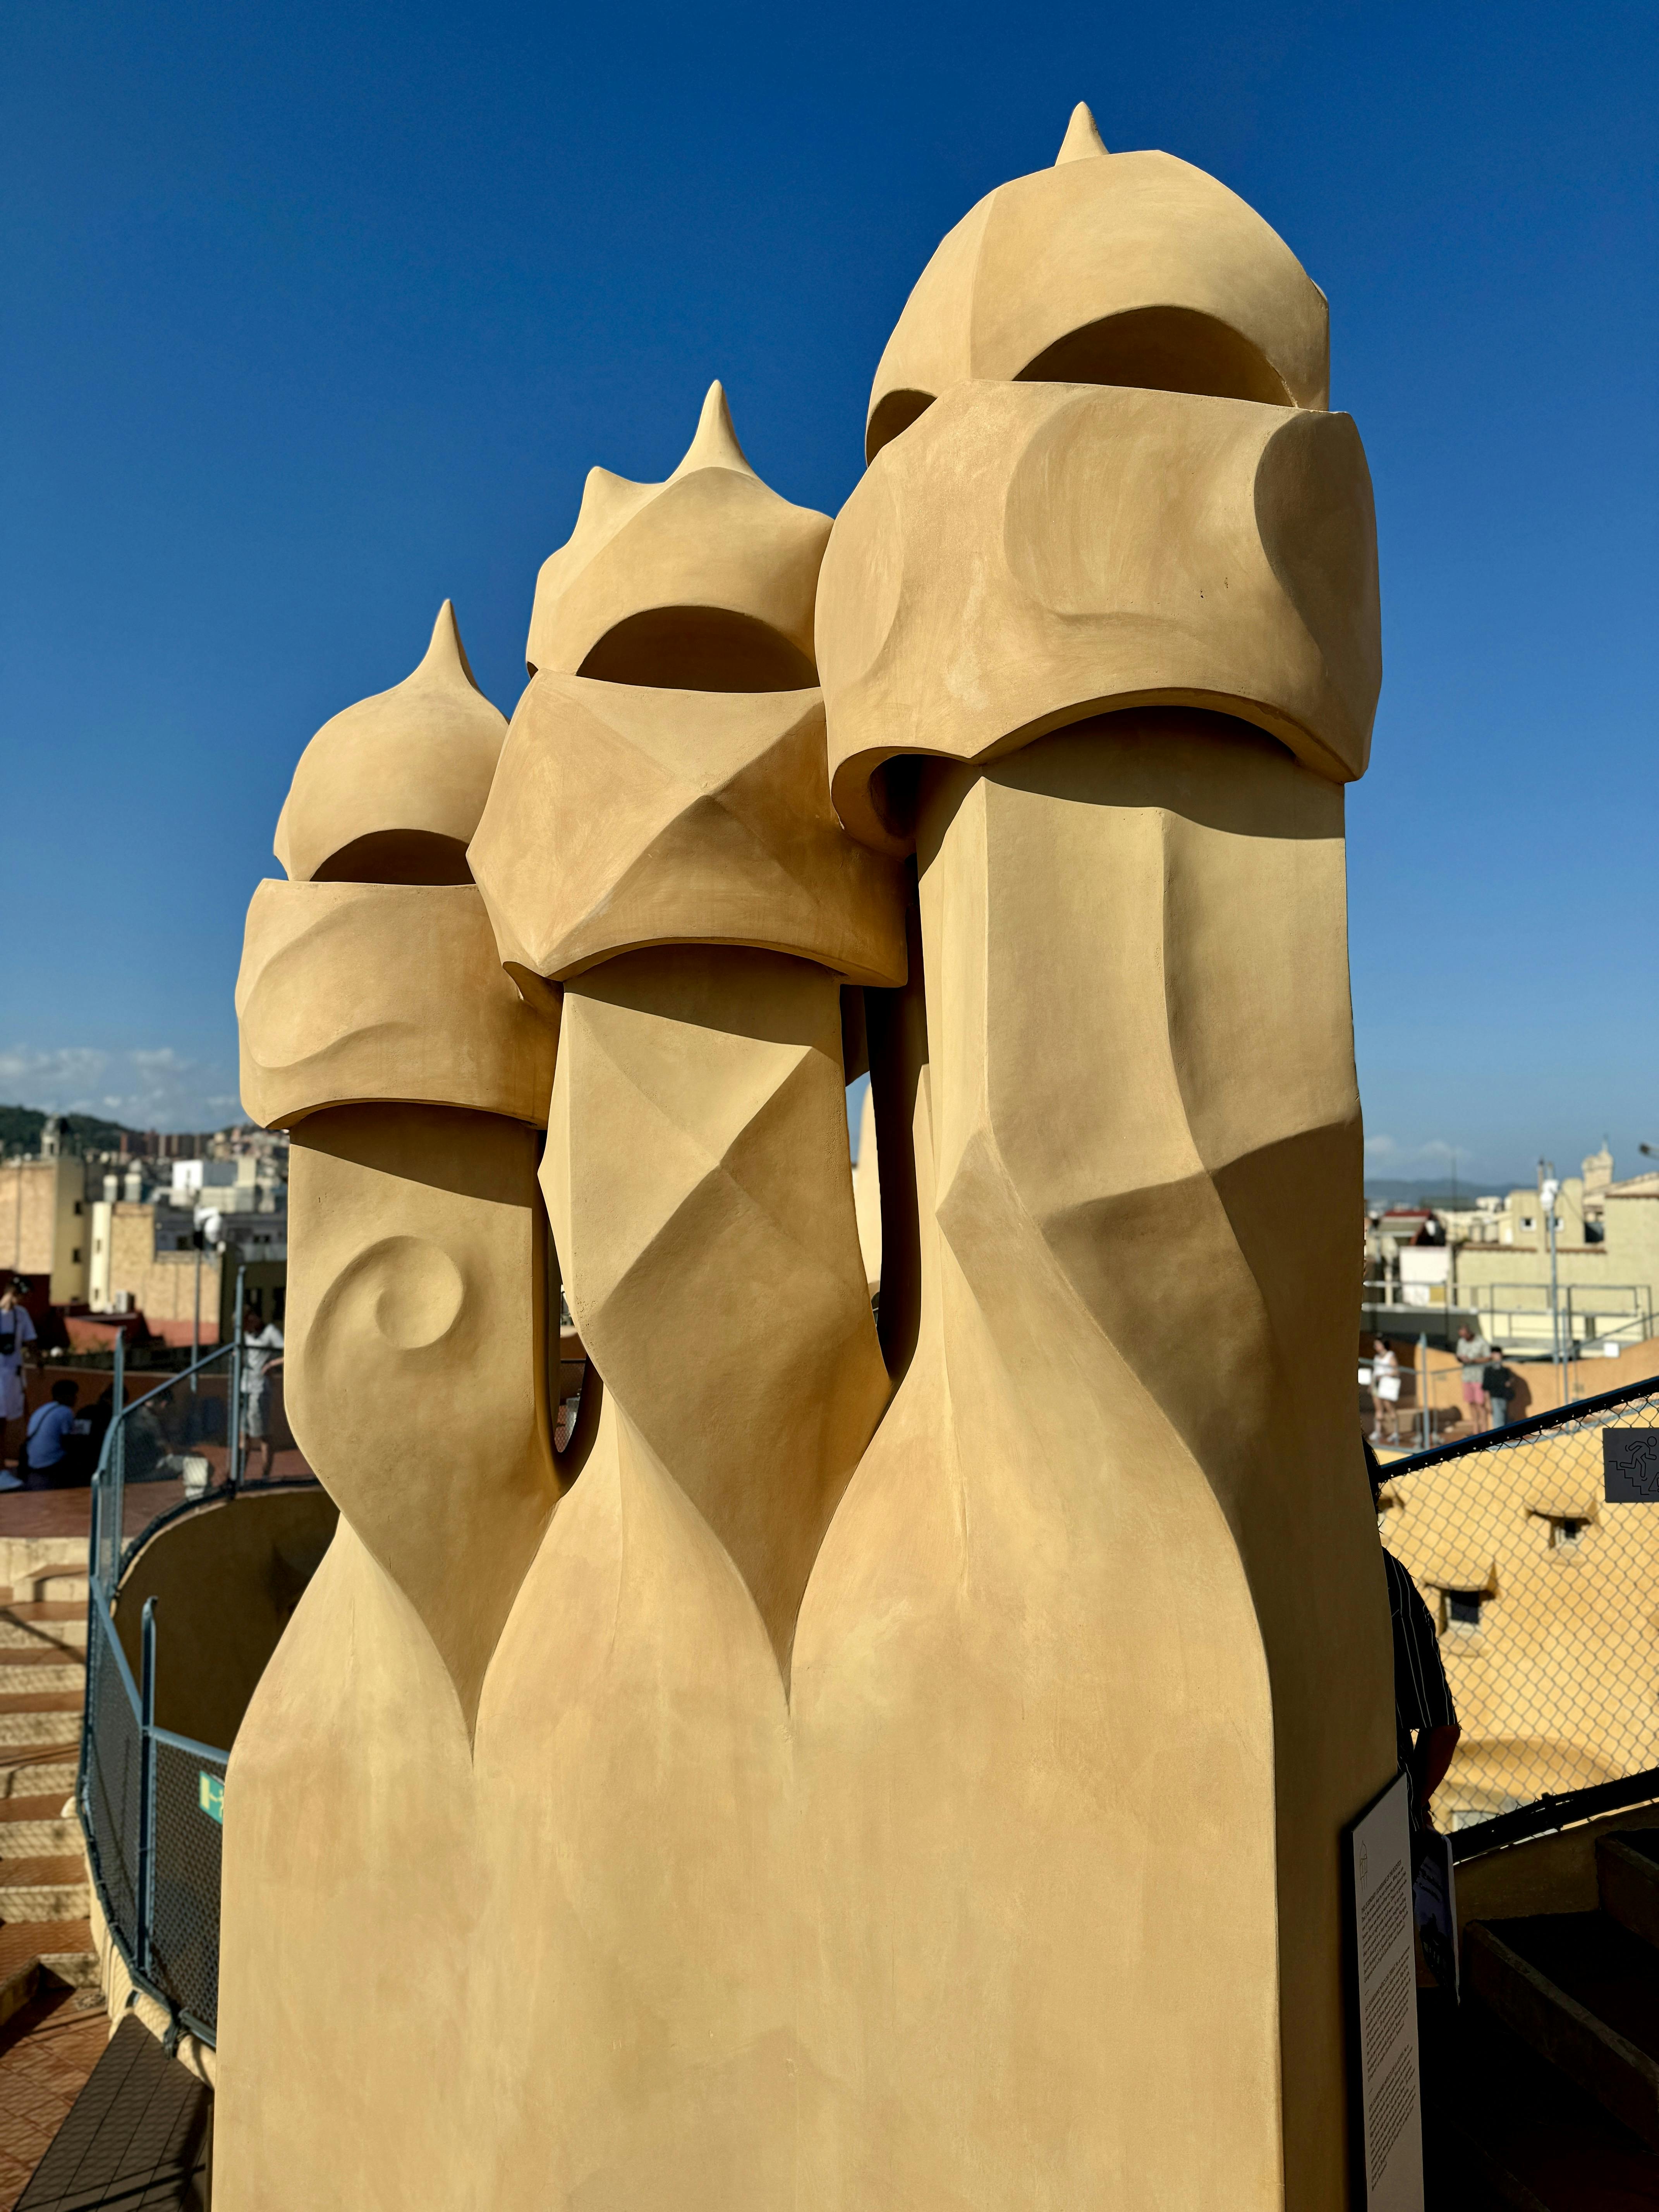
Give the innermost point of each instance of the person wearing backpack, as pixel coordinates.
(1498, 1382)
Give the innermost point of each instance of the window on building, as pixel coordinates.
(1528, 1221)
(79, 1208)
(1463, 1609)
(74, 1257)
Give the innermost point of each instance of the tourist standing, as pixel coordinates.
(262, 1346)
(1500, 1387)
(1472, 1353)
(16, 1344)
(1385, 1393)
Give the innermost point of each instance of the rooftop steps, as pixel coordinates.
(44, 1625)
(1550, 2100)
(1502, 2128)
(33, 1825)
(44, 1891)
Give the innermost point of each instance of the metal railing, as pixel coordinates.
(1581, 1313)
(1537, 1548)
(150, 1801)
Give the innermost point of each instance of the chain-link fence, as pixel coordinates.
(187, 1798)
(151, 1801)
(1537, 1548)
(111, 1783)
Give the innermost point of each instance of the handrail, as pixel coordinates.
(142, 1945)
(1554, 1810)
(184, 1374)
(188, 1742)
(150, 1799)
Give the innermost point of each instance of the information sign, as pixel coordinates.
(1630, 1466)
(1384, 1970)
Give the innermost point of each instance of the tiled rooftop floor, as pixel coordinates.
(47, 2051)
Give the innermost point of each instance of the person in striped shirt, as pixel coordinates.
(1424, 1718)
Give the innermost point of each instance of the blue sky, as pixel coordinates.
(318, 315)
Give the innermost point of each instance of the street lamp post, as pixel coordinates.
(1548, 1191)
(207, 1236)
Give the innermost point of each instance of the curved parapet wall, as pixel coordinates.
(225, 1579)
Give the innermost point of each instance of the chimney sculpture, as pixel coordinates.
(379, 1029)
(1098, 638)
(659, 841)
(900, 1772)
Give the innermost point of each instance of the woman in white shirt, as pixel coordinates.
(262, 1350)
(1385, 1393)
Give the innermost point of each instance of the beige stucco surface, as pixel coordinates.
(696, 576)
(356, 992)
(1029, 555)
(1114, 268)
(726, 838)
(872, 1766)
(393, 785)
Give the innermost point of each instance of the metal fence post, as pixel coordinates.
(234, 1462)
(146, 1881)
(1425, 1419)
(114, 1504)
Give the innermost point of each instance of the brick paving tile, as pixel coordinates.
(47, 2049)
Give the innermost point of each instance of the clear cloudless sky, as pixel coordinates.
(316, 314)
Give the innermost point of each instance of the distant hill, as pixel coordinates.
(20, 1126)
(1401, 1190)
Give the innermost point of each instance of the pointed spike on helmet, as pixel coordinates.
(715, 445)
(1082, 139)
(446, 657)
